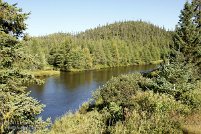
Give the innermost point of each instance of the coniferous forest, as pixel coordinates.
(165, 100)
(118, 44)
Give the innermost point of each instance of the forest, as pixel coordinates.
(118, 44)
(165, 100)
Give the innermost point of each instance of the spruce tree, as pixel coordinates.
(18, 111)
(197, 21)
(187, 38)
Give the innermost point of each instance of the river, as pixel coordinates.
(69, 90)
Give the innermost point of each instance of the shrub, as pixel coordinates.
(178, 80)
(89, 123)
(120, 89)
(139, 123)
(158, 103)
(152, 113)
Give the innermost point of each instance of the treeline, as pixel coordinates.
(118, 44)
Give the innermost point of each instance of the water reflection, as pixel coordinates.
(69, 90)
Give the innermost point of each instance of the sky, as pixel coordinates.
(51, 16)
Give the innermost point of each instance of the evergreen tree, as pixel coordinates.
(188, 35)
(18, 111)
(118, 44)
(197, 21)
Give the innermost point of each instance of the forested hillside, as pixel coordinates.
(118, 44)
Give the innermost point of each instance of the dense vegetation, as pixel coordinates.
(138, 104)
(157, 102)
(118, 44)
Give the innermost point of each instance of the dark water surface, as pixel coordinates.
(68, 91)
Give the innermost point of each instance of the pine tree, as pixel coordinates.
(18, 111)
(197, 20)
(187, 38)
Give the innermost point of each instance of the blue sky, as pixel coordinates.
(50, 16)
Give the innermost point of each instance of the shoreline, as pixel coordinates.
(46, 73)
(107, 67)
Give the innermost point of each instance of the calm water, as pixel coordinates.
(68, 91)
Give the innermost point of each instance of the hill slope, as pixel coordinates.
(118, 44)
(128, 30)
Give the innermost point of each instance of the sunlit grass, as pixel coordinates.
(156, 62)
(193, 124)
(43, 73)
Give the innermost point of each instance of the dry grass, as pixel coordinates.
(43, 73)
(156, 62)
(193, 124)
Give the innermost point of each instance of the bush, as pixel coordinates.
(152, 113)
(178, 80)
(139, 123)
(89, 123)
(83, 109)
(158, 103)
(120, 89)
(193, 98)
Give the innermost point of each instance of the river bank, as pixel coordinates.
(45, 73)
(69, 90)
(99, 67)
(51, 72)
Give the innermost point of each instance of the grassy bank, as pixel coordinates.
(156, 62)
(98, 67)
(49, 71)
(44, 73)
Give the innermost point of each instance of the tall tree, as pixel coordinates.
(18, 111)
(188, 35)
(197, 21)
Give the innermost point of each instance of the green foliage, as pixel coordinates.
(152, 113)
(120, 89)
(134, 104)
(125, 104)
(115, 110)
(112, 113)
(77, 58)
(142, 112)
(178, 80)
(12, 20)
(83, 109)
(188, 32)
(118, 44)
(139, 123)
(89, 123)
(18, 111)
